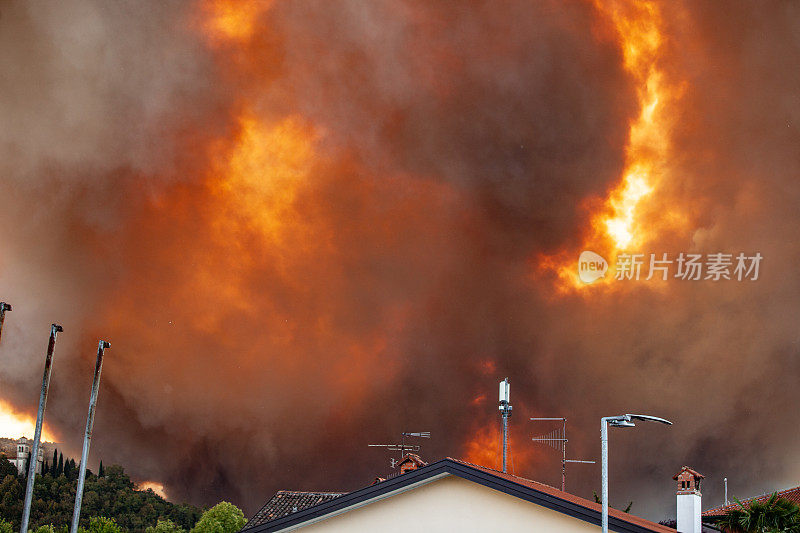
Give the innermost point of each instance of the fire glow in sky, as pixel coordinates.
(309, 226)
(15, 425)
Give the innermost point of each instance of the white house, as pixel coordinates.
(445, 496)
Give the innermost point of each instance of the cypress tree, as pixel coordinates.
(55, 462)
(27, 464)
(101, 472)
(60, 469)
(67, 469)
(44, 468)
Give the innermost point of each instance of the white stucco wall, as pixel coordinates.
(689, 520)
(446, 505)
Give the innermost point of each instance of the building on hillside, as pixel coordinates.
(445, 496)
(17, 452)
(23, 452)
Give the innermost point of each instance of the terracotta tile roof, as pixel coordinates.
(695, 473)
(793, 495)
(286, 502)
(583, 502)
(413, 458)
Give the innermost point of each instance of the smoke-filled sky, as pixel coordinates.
(307, 226)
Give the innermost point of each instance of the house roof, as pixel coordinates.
(286, 502)
(793, 495)
(526, 489)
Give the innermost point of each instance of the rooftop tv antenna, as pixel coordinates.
(557, 439)
(403, 448)
(505, 414)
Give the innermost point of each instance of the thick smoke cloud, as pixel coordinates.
(324, 232)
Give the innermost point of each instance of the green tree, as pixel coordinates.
(101, 524)
(54, 468)
(7, 468)
(184, 515)
(101, 472)
(45, 529)
(770, 516)
(6, 526)
(222, 518)
(113, 496)
(11, 495)
(164, 525)
(60, 469)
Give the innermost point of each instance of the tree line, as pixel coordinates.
(111, 503)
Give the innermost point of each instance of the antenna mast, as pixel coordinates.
(726, 491)
(505, 414)
(403, 448)
(557, 439)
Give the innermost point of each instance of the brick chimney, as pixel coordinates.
(410, 462)
(689, 500)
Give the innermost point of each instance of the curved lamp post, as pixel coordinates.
(619, 421)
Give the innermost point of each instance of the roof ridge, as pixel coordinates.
(507, 474)
(307, 492)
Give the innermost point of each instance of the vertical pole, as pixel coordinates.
(3, 308)
(726, 490)
(87, 436)
(604, 474)
(564, 457)
(505, 439)
(505, 413)
(37, 434)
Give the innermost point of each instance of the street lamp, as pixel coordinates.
(619, 421)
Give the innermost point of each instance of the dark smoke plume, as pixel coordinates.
(322, 231)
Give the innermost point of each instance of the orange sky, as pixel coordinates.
(14, 424)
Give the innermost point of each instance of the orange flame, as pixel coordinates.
(639, 28)
(619, 224)
(233, 20)
(485, 449)
(155, 486)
